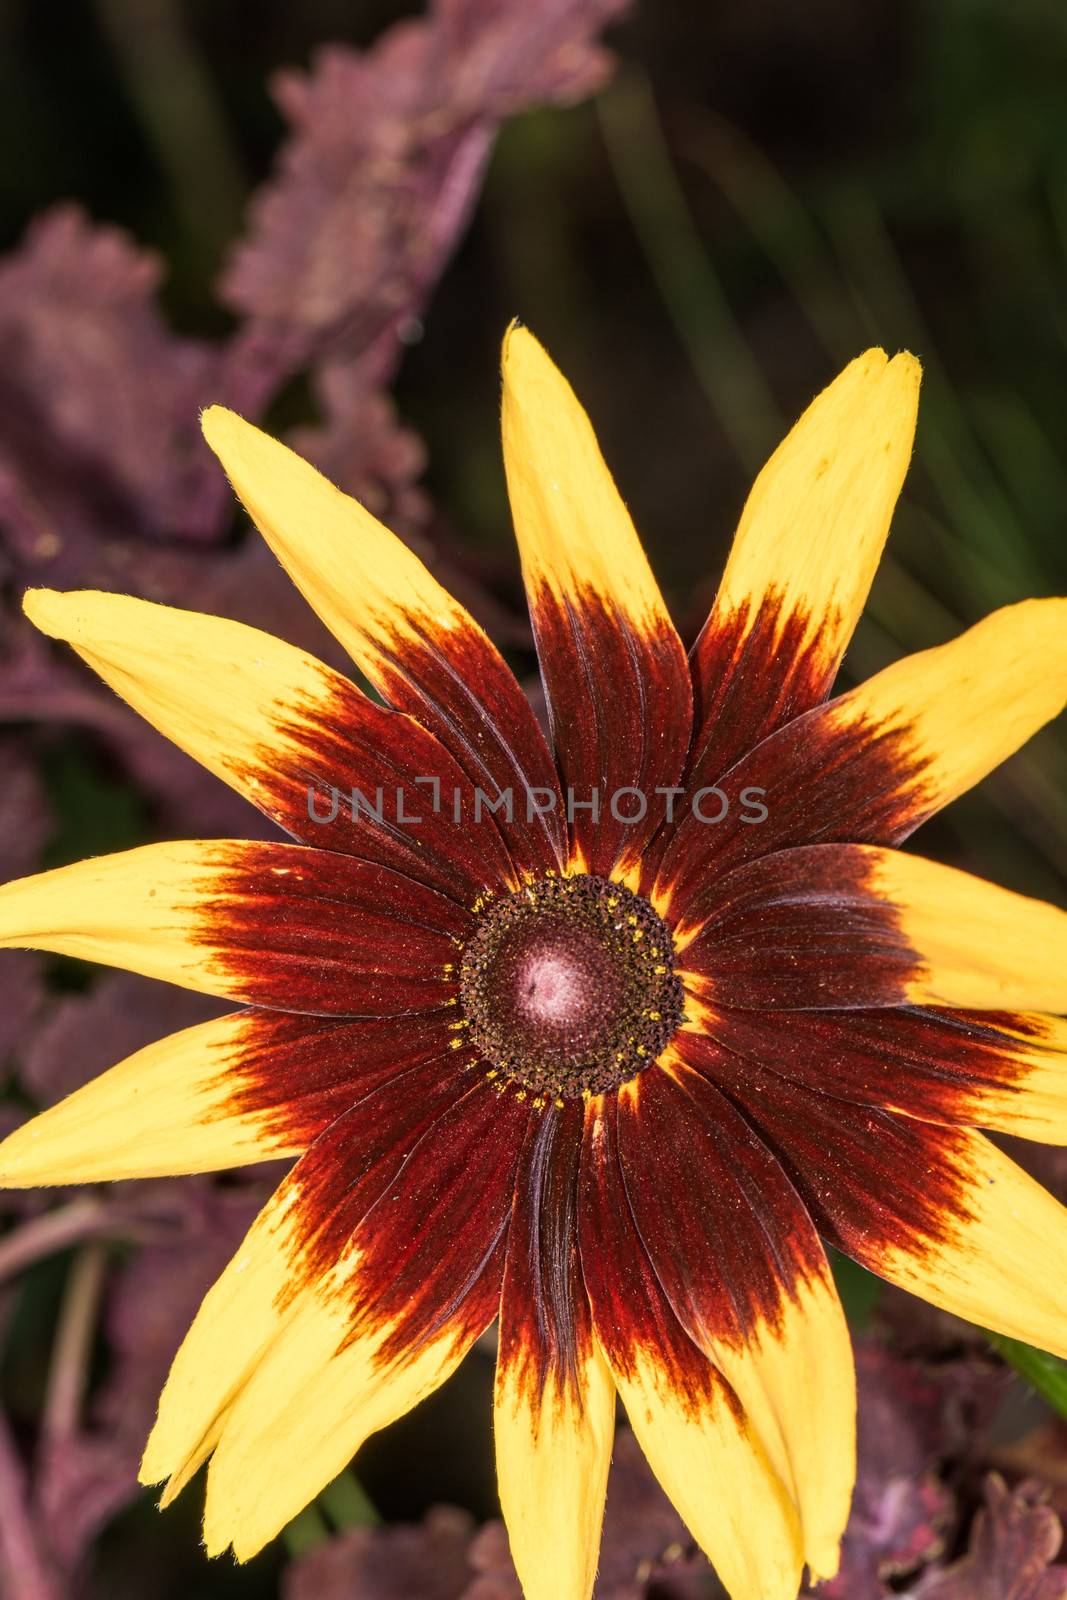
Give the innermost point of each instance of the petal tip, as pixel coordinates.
(873, 359)
(221, 427)
(824, 1563)
(152, 1470)
(515, 333)
(523, 355)
(216, 1544)
(907, 370)
(45, 608)
(876, 364)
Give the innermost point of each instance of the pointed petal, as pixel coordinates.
(251, 1086)
(940, 1211)
(802, 561)
(292, 1252)
(854, 925)
(615, 674)
(390, 1310)
(325, 1195)
(688, 1421)
(956, 712)
(1001, 1070)
(291, 735)
(554, 1415)
(276, 925)
(873, 764)
(742, 1266)
(416, 643)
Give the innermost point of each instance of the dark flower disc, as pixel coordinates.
(568, 986)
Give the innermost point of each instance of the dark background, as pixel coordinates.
(761, 190)
(764, 190)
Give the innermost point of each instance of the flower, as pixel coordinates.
(610, 1079)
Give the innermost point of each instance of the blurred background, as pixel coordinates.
(325, 215)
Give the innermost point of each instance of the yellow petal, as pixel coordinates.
(616, 679)
(382, 1321)
(939, 1210)
(138, 910)
(257, 922)
(420, 647)
(961, 709)
(252, 1086)
(553, 1450)
(738, 1258)
(169, 1108)
(237, 1321)
(796, 1381)
(554, 1415)
(277, 725)
(1000, 1257)
(976, 944)
(366, 585)
(574, 532)
(978, 1069)
(690, 1424)
(358, 1290)
(226, 693)
(806, 549)
(1030, 1101)
(813, 527)
(311, 1401)
(713, 1468)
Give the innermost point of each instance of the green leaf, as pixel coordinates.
(96, 812)
(858, 1288)
(1043, 1372)
(307, 1529)
(347, 1504)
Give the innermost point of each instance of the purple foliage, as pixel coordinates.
(428, 1561)
(105, 482)
(911, 1418)
(1014, 1540)
(385, 160)
(84, 1034)
(99, 441)
(104, 479)
(86, 1475)
(24, 827)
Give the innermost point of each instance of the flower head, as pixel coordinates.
(604, 1035)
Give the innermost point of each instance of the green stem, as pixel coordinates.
(688, 283)
(347, 1504)
(306, 1530)
(1043, 1372)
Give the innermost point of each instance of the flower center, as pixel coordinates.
(568, 985)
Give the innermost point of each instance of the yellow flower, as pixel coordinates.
(599, 1039)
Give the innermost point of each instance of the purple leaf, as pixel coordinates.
(385, 160)
(1013, 1542)
(84, 1034)
(25, 824)
(423, 1562)
(84, 1480)
(99, 401)
(362, 448)
(910, 1417)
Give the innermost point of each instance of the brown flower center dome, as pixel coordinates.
(568, 985)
